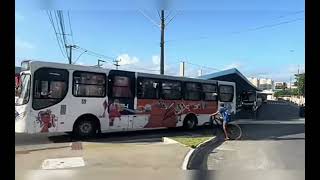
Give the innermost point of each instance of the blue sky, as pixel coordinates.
(264, 38)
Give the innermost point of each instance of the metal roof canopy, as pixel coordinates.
(233, 75)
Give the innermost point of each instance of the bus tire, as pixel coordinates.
(85, 128)
(190, 121)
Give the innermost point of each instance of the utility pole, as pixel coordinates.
(99, 60)
(162, 43)
(117, 63)
(70, 52)
(298, 77)
(182, 68)
(200, 72)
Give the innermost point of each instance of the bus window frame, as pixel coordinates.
(232, 97)
(90, 72)
(33, 87)
(203, 92)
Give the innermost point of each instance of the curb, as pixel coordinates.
(169, 141)
(192, 152)
(39, 147)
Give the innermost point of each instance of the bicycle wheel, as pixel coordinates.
(234, 131)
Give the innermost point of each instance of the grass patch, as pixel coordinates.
(192, 142)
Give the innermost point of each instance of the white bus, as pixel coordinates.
(84, 100)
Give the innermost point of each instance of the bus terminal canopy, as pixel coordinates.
(233, 75)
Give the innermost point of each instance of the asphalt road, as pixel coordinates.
(278, 149)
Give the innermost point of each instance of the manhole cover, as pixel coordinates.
(76, 146)
(61, 163)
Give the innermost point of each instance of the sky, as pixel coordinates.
(261, 38)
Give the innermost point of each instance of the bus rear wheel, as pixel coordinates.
(85, 128)
(190, 122)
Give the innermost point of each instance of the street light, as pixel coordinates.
(79, 57)
(99, 60)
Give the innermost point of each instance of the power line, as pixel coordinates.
(58, 20)
(289, 14)
(150, 19)
(269, 26)
(248, 30)
(207, 67)
(70, 28)
(96, 54)
(172, 18)
(55, 32)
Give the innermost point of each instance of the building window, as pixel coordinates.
(192, 92)
(121, 87)
(50, 87)
(226, 93)
(88, 84)
(171, 90)
(209, 92)
(148, 89)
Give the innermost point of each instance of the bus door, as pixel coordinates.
(49, 105)
(121, 99)
(227, 95)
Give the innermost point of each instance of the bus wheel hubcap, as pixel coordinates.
(190, 123)
(85, 127)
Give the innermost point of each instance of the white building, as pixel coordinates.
(262, 83)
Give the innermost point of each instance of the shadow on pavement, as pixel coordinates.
(143, 136)
(273, 110)
(272, 131)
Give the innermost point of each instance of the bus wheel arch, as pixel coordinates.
(190, 121)
(88, 120)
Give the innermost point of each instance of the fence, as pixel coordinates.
(299, 100)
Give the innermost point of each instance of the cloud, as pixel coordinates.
(156, 60)
(125, 59)
(18, 16)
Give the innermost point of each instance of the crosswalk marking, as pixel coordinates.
(61, 163)
(280, 103)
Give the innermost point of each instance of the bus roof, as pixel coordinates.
(104, 70)
(159, 76)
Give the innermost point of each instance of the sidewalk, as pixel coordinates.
(252, 121)
(112, 157)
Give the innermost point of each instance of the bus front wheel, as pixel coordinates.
(85, 128)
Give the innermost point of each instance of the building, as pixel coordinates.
(254, 81)
(280, 86)
(243, 85)
(262, 83)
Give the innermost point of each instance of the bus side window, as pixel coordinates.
(226, 93)
(148, 89)
(50, 87)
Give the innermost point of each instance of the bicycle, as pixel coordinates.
(233, 130)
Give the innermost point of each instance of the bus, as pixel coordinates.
(251, 100)
(86, 100)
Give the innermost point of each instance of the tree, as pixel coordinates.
(300, 83)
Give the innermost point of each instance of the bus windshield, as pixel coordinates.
(23, 90)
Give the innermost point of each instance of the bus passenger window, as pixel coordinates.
(171, 90)
(88, 84)
(193, 92)
(121, 87)
(148, 89)
(210, 92)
